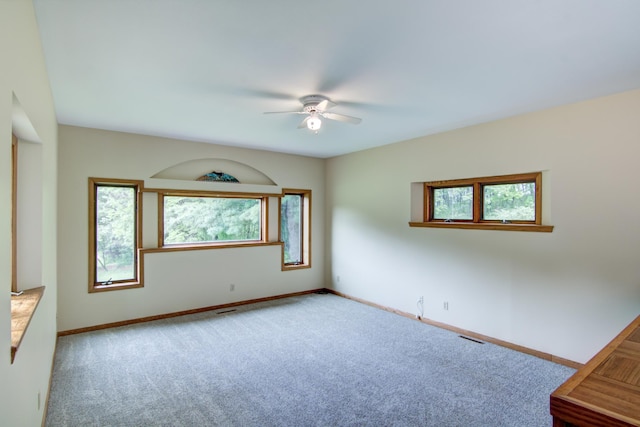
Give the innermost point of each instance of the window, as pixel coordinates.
(115, 234)
(453, 203)
(295, 220)
(203, 219)
(510, 202)
(14, 214)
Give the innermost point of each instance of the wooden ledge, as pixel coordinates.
(22, 309)
(485, 226)
(206, 246)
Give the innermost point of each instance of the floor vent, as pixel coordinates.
(470, 339)
(226, 311)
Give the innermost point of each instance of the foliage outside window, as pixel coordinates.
(295, 208)
(115, 215)
(204, 219)
(453, 203)
(510, 202)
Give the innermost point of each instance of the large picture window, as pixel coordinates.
(205, 219)
(115, 212)
(295, 232)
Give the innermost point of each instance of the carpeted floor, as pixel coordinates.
(314, 360)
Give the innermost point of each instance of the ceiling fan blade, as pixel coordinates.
(285, 112)
(325, 105)
(304, 123)
(341, 118)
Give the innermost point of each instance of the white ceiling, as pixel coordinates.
(206, 70)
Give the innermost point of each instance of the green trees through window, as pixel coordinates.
(511, 202)
(187, 220)
(208, 219)
(114, 231)
(505, 199)
(295, 229)
(453, 203)
(291, 227)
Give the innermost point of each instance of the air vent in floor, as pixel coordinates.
(226, 311)
(470, 339)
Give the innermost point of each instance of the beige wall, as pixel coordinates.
(174, 281)
(566, 293)
(24, 77)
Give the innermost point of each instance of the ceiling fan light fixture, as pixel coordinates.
(315, 108)
(314, 123)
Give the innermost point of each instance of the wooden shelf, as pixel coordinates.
(22, 309)
(485, 226)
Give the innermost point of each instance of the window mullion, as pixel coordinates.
(477, 202)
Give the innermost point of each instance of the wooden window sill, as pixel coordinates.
(291, 267)
(22, 309)
(116, 286)
(206, 246)
(485, 226)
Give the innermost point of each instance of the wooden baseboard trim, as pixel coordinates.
(521, 349)
(183, 313)
(46, 398)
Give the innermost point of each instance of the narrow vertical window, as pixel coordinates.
(14, 213)
(291, 228)
(295, 228)
(115, 236)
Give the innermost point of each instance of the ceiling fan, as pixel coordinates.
(315, 108)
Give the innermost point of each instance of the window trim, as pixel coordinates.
(477, 222)
(306, 229)
(138, 185)
(264, 219)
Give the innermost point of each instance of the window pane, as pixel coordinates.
(115, 233)
(512, 202)
(210, 219)
(291, 228)
(453, 203)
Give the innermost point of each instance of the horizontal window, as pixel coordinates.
(204, 219)
(483, 202)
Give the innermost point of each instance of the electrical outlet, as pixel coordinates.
(232, 287)
(338, 279)
(446, 305)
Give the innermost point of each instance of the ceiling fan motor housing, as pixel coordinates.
(310, 102)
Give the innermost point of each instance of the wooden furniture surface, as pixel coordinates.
(606, 391)
(22, 308)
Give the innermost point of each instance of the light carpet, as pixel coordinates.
(313, 360)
